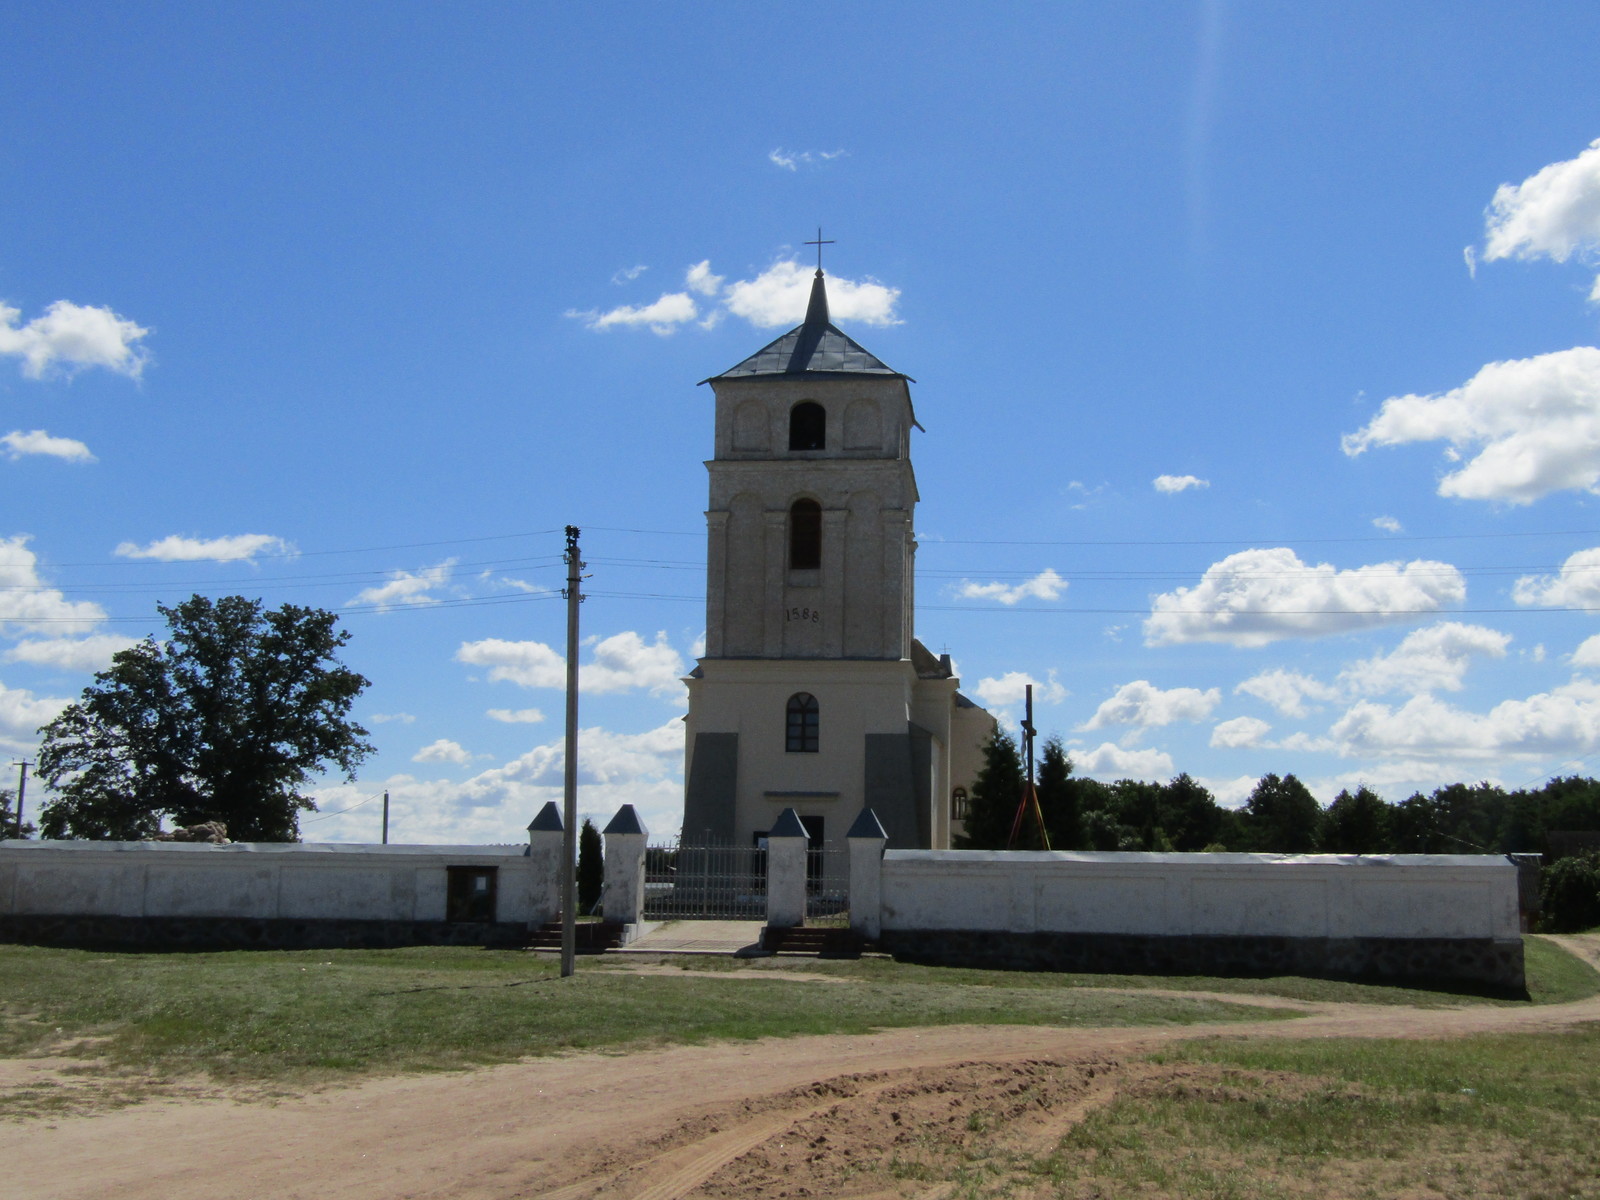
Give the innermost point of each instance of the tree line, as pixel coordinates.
(1281, 815)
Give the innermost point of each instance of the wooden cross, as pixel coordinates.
(819, 244)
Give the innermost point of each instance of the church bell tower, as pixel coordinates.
(813, 692)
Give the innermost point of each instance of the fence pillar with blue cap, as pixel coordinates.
(866, 840)
(786, 872)
(544, 857)
(622, 897)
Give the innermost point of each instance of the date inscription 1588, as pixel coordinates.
(805, 616)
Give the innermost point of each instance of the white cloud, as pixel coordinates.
(1577, 586)
(1388, 524)
(626, 661)
(700, 279)
(28, 605)
(663, 317)
(73, 336)
(407, 587)
(1046, 585)
(1564, 720)
(620, 663)
(1143, 704)
(1230, 793)
(1287, 691)
(528, 664)
(1526, 427)
(495, 805)
(791, 160)
(1241, 731)
(37, 441)
(1427, 659)
(516, 716)
(21, 714)
(1110, 761)
(239, 548)
(1011, 689)
(403, 718)
(443, 751)
(91, 653)
(1553, 214)
(628, 274)
(778, 296)
(1172, 484)
(1588, 653)
(1260, 596)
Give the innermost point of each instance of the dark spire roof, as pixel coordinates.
(815, 347)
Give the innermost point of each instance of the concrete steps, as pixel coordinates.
(592, 937)
(824, 941)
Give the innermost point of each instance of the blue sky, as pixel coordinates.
(1254, 346)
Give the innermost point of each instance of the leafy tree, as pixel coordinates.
(223, 721)
(1356, 823)
(591, 866)
(995, 793)
(1571, 901)
(1190, 815)
(1281, 816)
(8, 816)
(1414, 826)
(1059, 796)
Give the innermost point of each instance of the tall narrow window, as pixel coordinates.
(808, 426)
(802, 735)
(805, 536)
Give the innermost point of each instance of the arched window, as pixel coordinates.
(802, 724)
(805, 536)
(808, 426)
(958, 804)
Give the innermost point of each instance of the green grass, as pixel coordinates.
(292, 1019)
(1512, 1115)
(1553, 977)
(248, 1017)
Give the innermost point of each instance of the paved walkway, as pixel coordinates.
(697, 937)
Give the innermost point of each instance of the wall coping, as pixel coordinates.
(273, 849)
(1128, 858)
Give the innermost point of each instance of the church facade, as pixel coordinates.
(814, 692)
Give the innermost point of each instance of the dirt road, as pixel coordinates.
(796, 1116)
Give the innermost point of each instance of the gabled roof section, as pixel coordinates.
(815, 347)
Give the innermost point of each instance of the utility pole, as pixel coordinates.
(22, 787)
(569, 830)
(386, 817)
(1028, 803)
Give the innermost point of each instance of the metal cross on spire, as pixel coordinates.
(819, 244)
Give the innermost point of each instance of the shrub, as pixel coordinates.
(1572, 894)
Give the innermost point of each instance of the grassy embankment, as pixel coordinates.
(129, 1025)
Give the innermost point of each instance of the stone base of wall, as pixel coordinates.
(1481, 964)
(244, 933)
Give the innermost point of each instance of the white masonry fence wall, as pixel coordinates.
(1419, 917)
(256, 893)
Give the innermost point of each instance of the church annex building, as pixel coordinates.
(814, 693)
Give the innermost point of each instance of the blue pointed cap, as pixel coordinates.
(787, 825)
(548, 820)
(626, 821)
(867, 825)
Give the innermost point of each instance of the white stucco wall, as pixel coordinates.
(1325, 895)
(251, 880)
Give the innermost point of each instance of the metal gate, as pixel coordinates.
(710, 882)
(729, 883)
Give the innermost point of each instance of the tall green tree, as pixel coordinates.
(1190, 814)
(591, 866)
(8, 817)
(224, 721)
(1059, 797)
(1356, 823)
(1281, 817)
(995, 793)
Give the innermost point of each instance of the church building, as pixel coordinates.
(814, 692)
